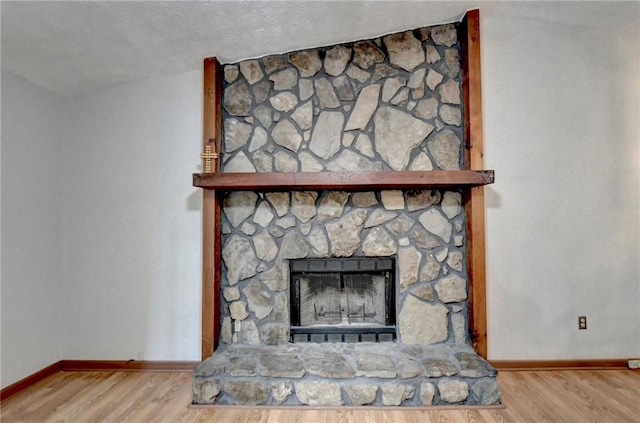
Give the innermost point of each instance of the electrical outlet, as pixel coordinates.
(582, 322)
(633, 363)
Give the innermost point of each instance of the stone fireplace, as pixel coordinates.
(332, 297)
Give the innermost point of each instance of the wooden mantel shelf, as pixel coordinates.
(351, 181)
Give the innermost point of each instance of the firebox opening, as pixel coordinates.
(342, 300)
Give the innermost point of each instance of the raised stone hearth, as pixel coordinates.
(345, 374)
(387, 104)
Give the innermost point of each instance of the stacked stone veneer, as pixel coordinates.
(392, 103)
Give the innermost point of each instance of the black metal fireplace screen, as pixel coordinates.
(342, 300)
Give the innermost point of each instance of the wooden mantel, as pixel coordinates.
(350, 181)
(216, 184)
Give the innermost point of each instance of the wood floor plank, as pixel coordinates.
(529, 396)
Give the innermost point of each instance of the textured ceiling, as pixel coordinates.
(74, 47)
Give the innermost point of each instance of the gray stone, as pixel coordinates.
(458, 328)
(444, 35)
(361, 393)
(416, 94)
(438, 367)
(284, 102)
(206, 391)
(239, 163)
(281, 365)
(364, 108)
(230, 73)
(286, 222)
(286, 135)
(375, 365)
(396, 393)
(318, 241)
(458, 240)
(329, 365)
(344, 89)
(421, 199)
(451, 64)
(327, 134)
(285, 162)
(401, 97)
(450, 92)
(273, 63)
(332, 205)
(308, 62)
(455, 260)
(303, 205)
(379, 244)
(226, 332)
(391, 86)
(400, 225)
(264, 115)
(451, 289)
(248, 228)
(364, 199)
(486, 391)
(366, 54)
(305, 89)
(392, 199)
(261, 91)
(239, 205)
(424, 292)
(427, 393)
(275, 333)
(303, 116)
(408, 265)
(276, 278)
(236, 134)
(259, 300)
(378, 216)
(231, 293)
(433, 79)
(396, 134)
(347, 139)
(432, 54)
(416, 79)
(445, 150)
(408, 368)
(430, 328)
(364, 146)
(404, 242)
(344, 234)
(436, 223)
(263, 215)
(262, 161)
(293, 246)
(238, 310)
(404, 50)
(280, 392)
(212, 366)
(336, 60)
(357, 74)
(431, 270)
(239, 259)
(472, 365)
(308, 163)
(453, 391)
(426, 109)
(284, 80)
(240, 366)
(281, 307)
(237, 100)
(251, 71)
(451, 204)
(421, 162)
(279, 201)
(383, 71)
(258, 140)
(451, 115)
(326, 95)
(319, 393)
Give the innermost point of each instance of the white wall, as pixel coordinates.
(132, 264)
(561, 113)
(30, 229)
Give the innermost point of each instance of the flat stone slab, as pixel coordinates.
(330, 374)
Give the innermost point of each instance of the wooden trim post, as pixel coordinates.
(474, 197)
(211, 209)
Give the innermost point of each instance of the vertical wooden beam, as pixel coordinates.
(474, 198)
(211, 210)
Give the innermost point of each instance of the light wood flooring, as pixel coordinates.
(579, 396)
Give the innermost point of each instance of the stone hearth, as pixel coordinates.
(388, 104)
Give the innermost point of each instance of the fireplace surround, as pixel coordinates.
(385, 106)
